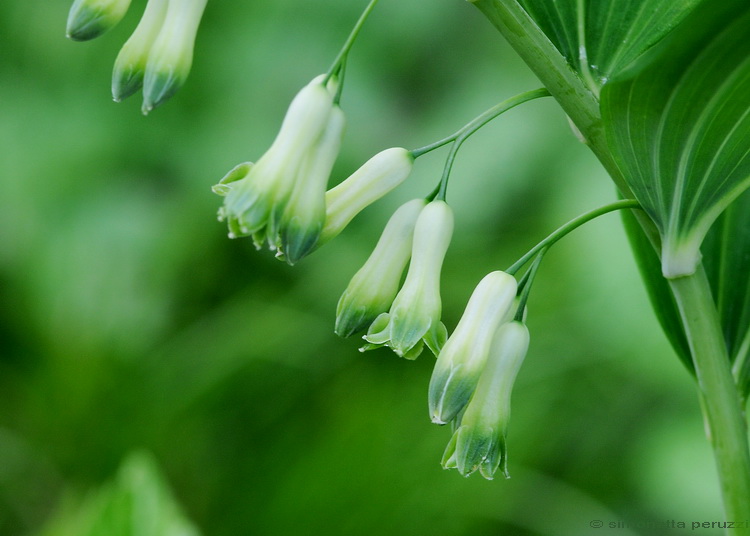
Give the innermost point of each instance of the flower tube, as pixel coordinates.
(375, 178)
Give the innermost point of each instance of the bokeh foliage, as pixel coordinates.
(129, 321)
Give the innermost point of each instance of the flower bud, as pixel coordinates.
(130, 65)
(171, 55)
(378, 176)
(414, 316)
(464, 355)
(479, 441)
(373, 287)
(88, 19)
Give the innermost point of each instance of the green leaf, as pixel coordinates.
(137, 503)
(600, 37)
(678, 124)
(727, 262)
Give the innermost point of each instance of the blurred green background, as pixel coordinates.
(130, 322)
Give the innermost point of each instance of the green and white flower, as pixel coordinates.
(414, 317)
(88, 19)
(375, 178)
(479, 441)
(281, 198)
(171, 55)
(464, 355)
(130, 65)
(373, 287)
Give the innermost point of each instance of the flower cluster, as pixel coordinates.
(408, 319)
(474, 374)
(413, 318)
(159, 53)
(282, 199)
(479, 437)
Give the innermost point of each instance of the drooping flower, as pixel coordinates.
(281, 198)
(375, 178)
(462, 359)
(88, 19)
(171, 55)
(479, 440)
(130, 65)
(373, 287)
(414, 317)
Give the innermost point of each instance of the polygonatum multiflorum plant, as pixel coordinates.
(659, 90)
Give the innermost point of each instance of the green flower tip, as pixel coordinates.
(449, 391)
(407, 337)
(159, 86)
(88, 19)
(298, 239)
(352, 319)
(477, 448)
(126, 81)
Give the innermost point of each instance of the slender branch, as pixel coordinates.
(720, 399)
(527, 281)
(573, 224)
(463, 134)
(485, 117)
(349, 41)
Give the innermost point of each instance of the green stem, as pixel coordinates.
(478, 122)
(573, 224)
(349, 41)
(720, 399)
(525, 284)
(463, 134)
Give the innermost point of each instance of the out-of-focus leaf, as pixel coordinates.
(727, 261)
(662, 300)
(137, 503)
(600, 37)
(678, 124)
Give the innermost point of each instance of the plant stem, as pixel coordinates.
(720, 399)
(573, 224)
(470, 128)
(485, 117)
(341, 57)
(525, 284)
